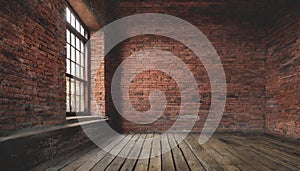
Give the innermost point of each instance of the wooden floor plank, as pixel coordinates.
(109, 157)
(271, 153)
(134, 154)
(117, 163)
(155, 160)
(167, 162)
(221, 159)
(225, 151)
(278, 147)
(285, 144)
(179, 160)
(79, 161)
(143, 161)
(242, 155)
(256, 155)
(234, 151)
(93, 161)
(284, 157)
(191, 159)
(207, 161)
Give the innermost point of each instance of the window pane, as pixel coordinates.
(77, 88)
(72, 86)
(68, 94)
(82, 89)
(82, 30)
(73, 68)
(68, 51)
(77, 57)
(73, 103)
(67, 85)
(73, 54)
(68, 36)
(68, 66)
(68, 15)
(72, 39)
(82, 60)
(77, 26)
(82, 47)
(77, 43)
(78, 71)
(77, 103)
(68, 103)
(82, 104)
(72, 20)
(82, 73)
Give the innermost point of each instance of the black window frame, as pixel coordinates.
(85, 80)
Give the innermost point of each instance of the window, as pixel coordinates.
(76, 65)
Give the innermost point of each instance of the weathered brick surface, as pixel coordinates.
(96, 44)
(237, 35)
(283, 73)
(32, 65)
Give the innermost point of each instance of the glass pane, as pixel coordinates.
(82, 89)
(72, 39)
(73, 68)
(82, 104)
(82, 30)
(67, 85)
(73, 54)
(72, 86)
(68, 66)
(82, 73)
(78, 71)
(77, 26)
(82, 61)
(68, 15)
(68, 103)
(82, 47)
(77, 88)
(68, 36)
(68, 51)
(76, 23)
(77, 103)
(73, 103)
(67, 94)
(77, 43)
(77, 57)
(72, 20)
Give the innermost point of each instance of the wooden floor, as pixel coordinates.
(221, 152)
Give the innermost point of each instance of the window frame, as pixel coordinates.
(85, 80)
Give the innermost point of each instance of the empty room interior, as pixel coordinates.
(150, 85)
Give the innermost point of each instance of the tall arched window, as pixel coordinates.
(76, 65)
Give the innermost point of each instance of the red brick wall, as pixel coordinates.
(237, 35)
(283, 73)
(96, 43)
(32, 66)
(32, 63)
